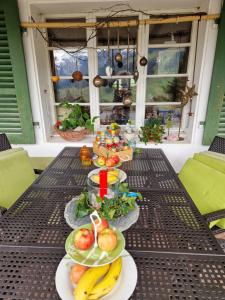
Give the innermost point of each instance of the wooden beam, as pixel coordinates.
(130, 23)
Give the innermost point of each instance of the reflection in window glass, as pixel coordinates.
(164, 89)
(104, 61)
(163, 33)
(102, 33)
(167, 60)
(65, 64)
(72, 91)
(63, 113)
(164, 111)
(118, 114)
(116, 90)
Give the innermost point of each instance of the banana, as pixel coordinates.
(88, 281)
(108, 282)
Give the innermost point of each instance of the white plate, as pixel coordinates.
(122, 291)
(122, 174)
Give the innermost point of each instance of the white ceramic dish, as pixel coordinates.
(122, 174)
(122, 291)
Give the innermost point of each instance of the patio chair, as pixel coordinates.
(218, 145)
(203, 176)
(38, 163)
(16, 175)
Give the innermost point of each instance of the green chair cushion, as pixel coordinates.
(40, 163)
(206, 186)
(16, 175)
(212, 160)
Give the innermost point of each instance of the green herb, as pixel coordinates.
(83, 207)
(78, 117)
(152, 131)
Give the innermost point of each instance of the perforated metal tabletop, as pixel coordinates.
(176, 255)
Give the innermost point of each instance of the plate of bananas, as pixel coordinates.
(116, 280)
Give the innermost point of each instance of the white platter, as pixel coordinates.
(122, 291)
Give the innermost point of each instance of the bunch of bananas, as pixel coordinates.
(98, 281)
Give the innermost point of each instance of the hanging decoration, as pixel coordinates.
(118, 56)
(127, 100)
(143, 61)
(108, 69)
(55, 78)
(98, 81)
(186, 95)
(135, 70)
(77, 76)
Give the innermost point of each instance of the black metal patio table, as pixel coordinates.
(176, 255)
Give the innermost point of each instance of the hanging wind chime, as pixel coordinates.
(108, 69)
(127, 99)
(136, 73)
(118, 56)
(77, 75)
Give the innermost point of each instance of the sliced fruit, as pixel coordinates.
(108, 282)
(88, 281)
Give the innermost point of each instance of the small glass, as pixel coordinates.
(94, 192)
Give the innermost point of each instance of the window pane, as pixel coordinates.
(118, 114)
(164, 111)
(167, 60)
(72, 91)
(117, 89)
(164, 89)
(104, 61)
(64, 64)
(67, 37)
(163, 33)
(102, 33)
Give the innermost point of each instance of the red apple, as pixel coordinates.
(107, 240)
(77, 272)
(84, 239)
(115, 158)
(101, 160)
(102, 226)
(110, 162)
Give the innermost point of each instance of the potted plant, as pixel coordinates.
(152, 131)
(76, 125)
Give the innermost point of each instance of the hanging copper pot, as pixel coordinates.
(98, 81)
(143, 61)
(118, 57)
(127, 100)
(77, 76)
(136, 75)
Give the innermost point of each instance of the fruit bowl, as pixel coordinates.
(117, 175)
(122, 290)
(115, 165)
(93, 256)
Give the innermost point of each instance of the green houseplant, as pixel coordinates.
(152, 131)
(76, 125)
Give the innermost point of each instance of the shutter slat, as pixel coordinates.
(221, 125)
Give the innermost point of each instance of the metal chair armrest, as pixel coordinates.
(219, 214)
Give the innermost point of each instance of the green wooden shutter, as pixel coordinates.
(215, 117)
(15, 109)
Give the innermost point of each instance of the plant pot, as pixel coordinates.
(71, 135)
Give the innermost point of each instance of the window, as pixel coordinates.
(63, 64)
(170, 49)
(167, 71)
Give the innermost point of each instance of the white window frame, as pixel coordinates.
(143, 46)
